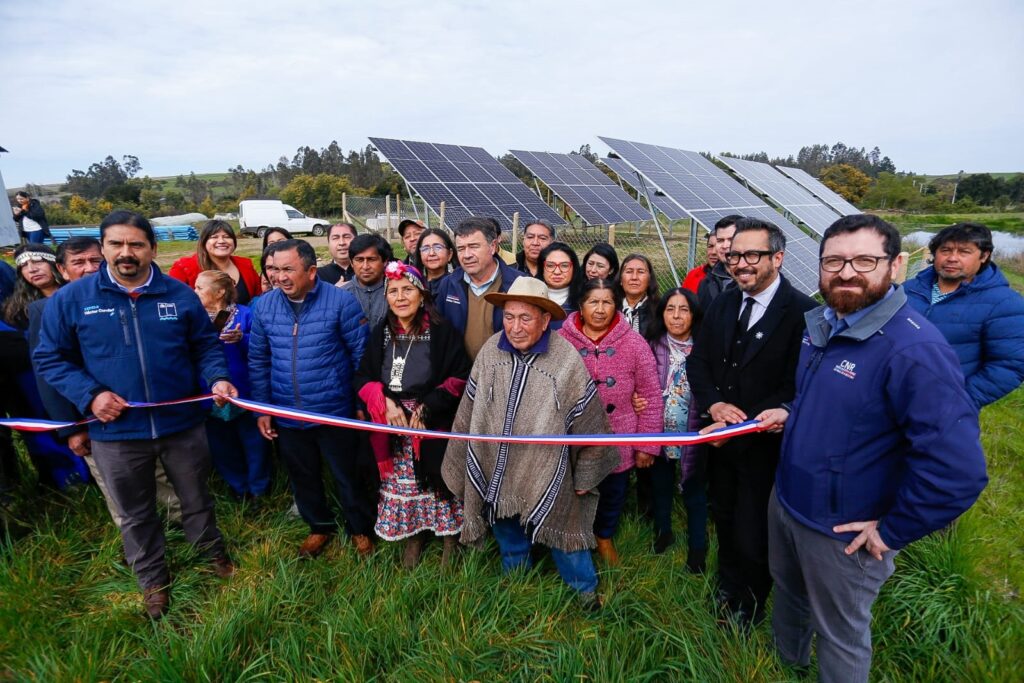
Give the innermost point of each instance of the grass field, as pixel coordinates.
(69, 611)
(909, 222)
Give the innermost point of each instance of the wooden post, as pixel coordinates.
(344, 208)
(387, 210)
(426, 214)
(398, 206)
(515, 233)
(611, 234)
(441, 215)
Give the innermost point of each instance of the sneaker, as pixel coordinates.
(591, 602)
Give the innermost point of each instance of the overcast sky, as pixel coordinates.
(203, 86)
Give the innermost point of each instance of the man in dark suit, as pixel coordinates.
(743, 366)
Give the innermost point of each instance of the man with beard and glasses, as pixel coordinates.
(129, 333)
(881, 447)
(742, 367)
(968, 298)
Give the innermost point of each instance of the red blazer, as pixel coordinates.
(186, 269)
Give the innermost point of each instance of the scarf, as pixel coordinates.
(677, 391)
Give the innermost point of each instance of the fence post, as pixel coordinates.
(515, 233)
(387, 210)
(426, 214)
(344, 208)
(398, 206)
(611, 235)
(441, 215)
(901, 276)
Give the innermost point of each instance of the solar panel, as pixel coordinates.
(785, 192)
(820, 190)
(468, 180)
(663, 204)
(708, 193)
(583, 186)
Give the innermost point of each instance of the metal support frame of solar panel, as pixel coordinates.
(583, 187)
(785, 192)
(468, 180)
(628, 176)
(707, 193)
(819, 190)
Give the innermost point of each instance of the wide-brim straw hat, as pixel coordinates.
(529, 290)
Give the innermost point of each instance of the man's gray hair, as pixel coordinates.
(538, 221)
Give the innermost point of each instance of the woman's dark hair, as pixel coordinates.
(652, 282)
(209, 229)
(597, 283)
(421, 321)
(576, 283)
(606, 251)
(443, 234)
(271, 231)
(16, 305)
(656, 328)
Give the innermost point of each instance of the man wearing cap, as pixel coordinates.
(527, 381)
(461, 296)
(410, 231)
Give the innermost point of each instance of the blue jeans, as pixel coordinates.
(609, 506)
(34, 237)
(576, 568)
(239, 454)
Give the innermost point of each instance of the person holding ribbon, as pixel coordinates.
(621, 364)
(413, 374)
(528, 381)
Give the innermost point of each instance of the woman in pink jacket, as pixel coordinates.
(620, 363)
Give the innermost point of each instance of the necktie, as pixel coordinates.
(743, 324)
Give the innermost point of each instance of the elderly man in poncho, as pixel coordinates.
(527, 381)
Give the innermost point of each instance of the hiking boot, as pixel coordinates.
(662, 542)
(413, 550)
(156, 600)
(223, 567)
(314, 545)
(606, 549)
(363, 544)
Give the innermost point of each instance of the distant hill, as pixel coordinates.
(952, 176)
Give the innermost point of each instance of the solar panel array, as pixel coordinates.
(583, 186)
(708, 193)
(785, 192)
(663, 204)
(468, 180)
(820, 190)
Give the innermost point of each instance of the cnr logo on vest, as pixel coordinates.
(845, 368)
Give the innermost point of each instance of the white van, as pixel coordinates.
(256, 215)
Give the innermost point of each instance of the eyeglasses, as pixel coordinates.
(561, 267)
(860, 264)
(752, 257)
(433, 248)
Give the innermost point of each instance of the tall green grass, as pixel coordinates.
(70, 611)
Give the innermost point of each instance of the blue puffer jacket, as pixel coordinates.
(984, 323)
(452, 298)
(307, 361)
(94, 338)
(881, 428)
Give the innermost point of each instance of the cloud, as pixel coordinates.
(204, 86)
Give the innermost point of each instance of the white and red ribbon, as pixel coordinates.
(661, 439)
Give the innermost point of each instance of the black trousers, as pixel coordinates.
(303, 452)
(740, 485)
